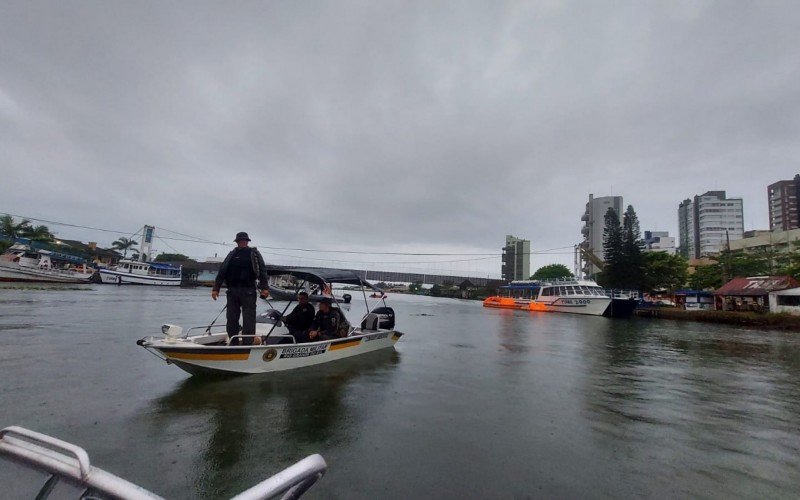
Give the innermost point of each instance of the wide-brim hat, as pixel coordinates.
(326, 300)
(241, 236)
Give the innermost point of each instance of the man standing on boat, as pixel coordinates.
(239, 271)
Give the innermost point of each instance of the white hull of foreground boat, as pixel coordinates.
(111, 277)
(196, 358)
(18, 273)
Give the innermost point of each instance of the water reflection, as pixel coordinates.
(697, 402)
(254, 424)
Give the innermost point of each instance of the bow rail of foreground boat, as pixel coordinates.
(68, 463)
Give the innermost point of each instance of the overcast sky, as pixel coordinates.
(391, 126)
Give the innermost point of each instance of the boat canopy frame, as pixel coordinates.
(325, 276)
(321, 276)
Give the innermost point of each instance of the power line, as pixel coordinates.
(194, 239)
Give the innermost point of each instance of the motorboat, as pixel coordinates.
(66, 472)
(208, 350)
(25, 263)
(574, 296)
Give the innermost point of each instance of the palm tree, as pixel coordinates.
(13, 230)
(37, 233)
(122, 245)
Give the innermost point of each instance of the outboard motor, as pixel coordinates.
(346, 298)
(271, 316)
(385, 317)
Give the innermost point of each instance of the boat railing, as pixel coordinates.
(290, 483)
(240, 336)
(208, 329)
(616, 293)
(65, 461)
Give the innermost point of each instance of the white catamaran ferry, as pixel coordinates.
(24, 263)
(142, 272)
(568, 295)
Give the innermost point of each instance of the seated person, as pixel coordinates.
(300, 319)
(329, 323)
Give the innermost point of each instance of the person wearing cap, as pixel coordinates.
(329, 323)
(241, 269)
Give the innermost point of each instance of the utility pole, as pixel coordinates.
(727, 266)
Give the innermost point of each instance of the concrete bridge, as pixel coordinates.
(205, 272)
(428, 279)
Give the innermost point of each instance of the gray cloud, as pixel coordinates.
(391, 125)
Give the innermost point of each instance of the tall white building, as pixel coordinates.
(592, 231)
(707, 222)
(516, 259)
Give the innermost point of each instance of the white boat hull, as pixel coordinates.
(196, 358)
(18, 273)
(113, 277)
(591, 306)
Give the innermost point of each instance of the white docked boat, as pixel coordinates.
(142, 271)
(131, 272)
(568, 296)
(65, 472)
(207, 349)
(24, 263)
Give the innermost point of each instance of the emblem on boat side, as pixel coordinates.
(270, 354)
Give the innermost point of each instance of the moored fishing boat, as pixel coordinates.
(142, 271)
(130, 272)
(207, 349)
(23, 263)
(568, 296)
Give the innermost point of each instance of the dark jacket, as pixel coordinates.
(259, 268)
(301, 318)
(331, 324)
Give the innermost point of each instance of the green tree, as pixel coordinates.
(436, 291)
(415, 287)
(12, 229)
(632, 272)
(123, 245)
(706, 277)
(664, 271)
(613, 268)
(171, 257)
(790, 262)
(552, 272)
(37, 233)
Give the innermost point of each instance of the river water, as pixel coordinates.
(474, 403)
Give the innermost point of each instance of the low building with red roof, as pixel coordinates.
(751, 294)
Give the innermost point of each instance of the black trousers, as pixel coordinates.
(241, 301)
(300, 334)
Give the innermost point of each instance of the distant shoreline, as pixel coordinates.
(769, 321)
